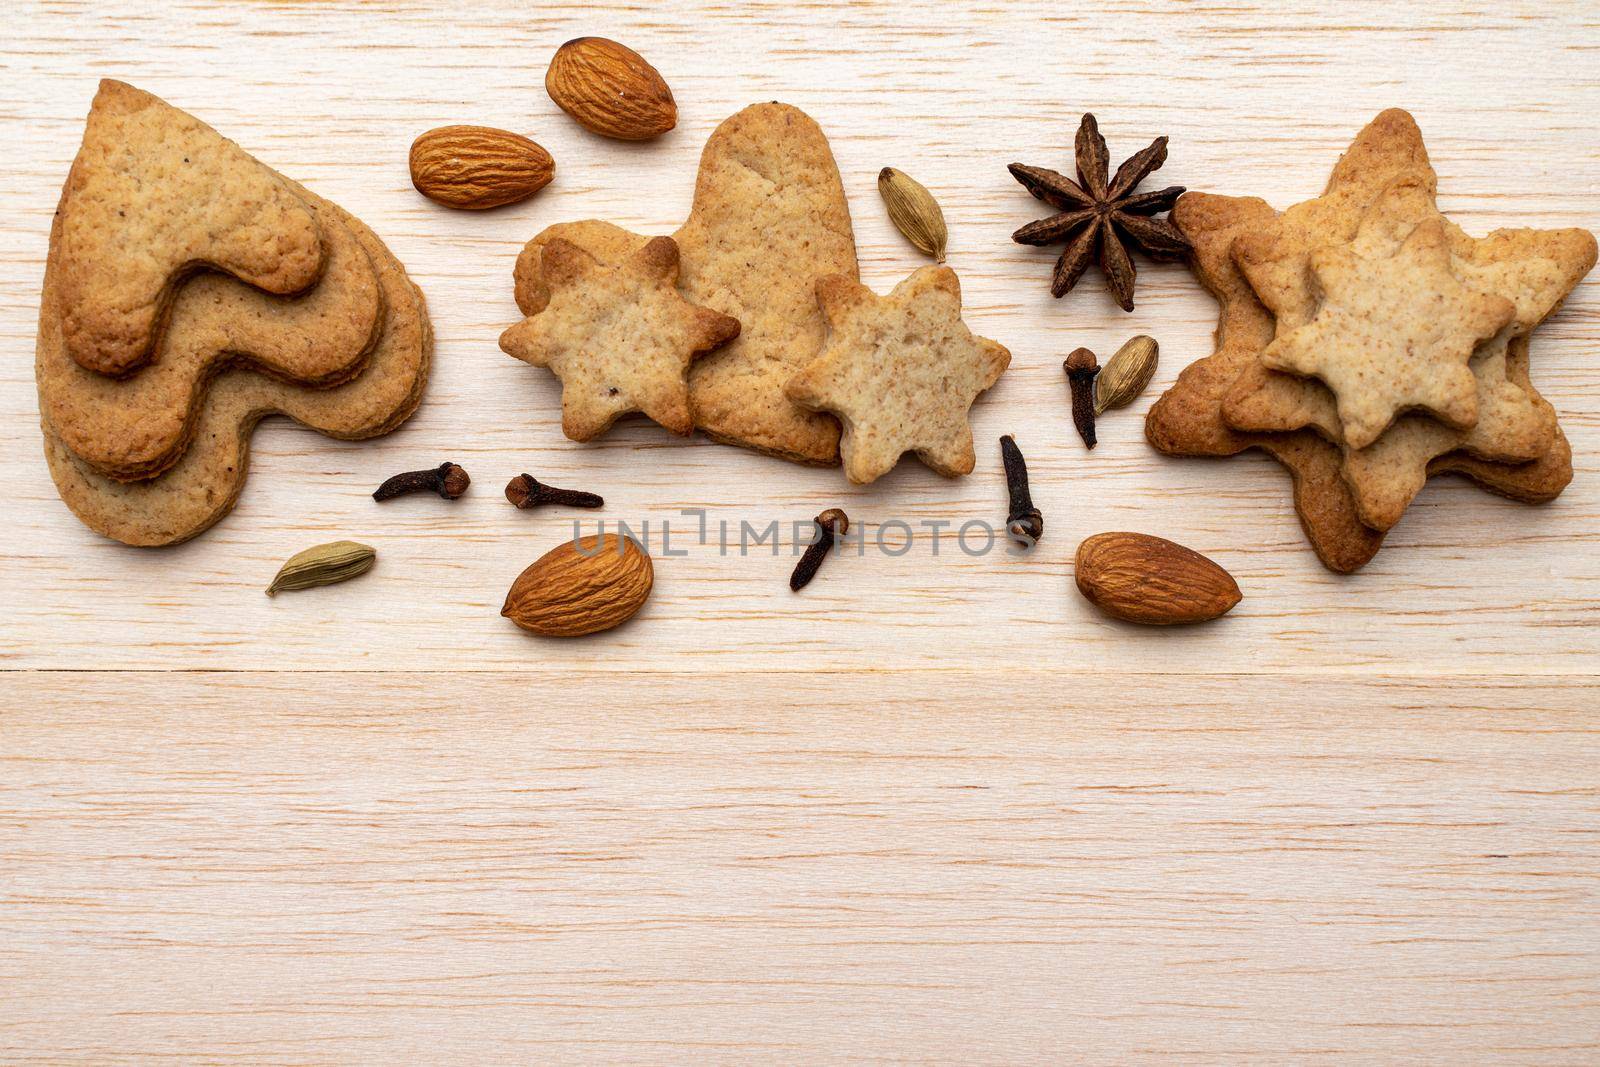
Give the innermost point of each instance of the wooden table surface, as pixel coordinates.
(933, 810)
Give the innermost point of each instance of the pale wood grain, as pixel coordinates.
(938, 867)
(956, 816)
(1257, 98)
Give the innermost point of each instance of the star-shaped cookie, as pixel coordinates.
(900, 372)
(1534, 269)
(1393, 334)
(619, 337)
(1381, 189)
(1187, 420)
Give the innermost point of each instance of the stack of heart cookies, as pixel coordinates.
(1367, 342)
(191, 291)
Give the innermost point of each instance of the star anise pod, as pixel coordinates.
(1100, 219)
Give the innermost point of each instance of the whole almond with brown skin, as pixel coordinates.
(478, 167)
(581, 587)
(1150, 580)
(609, 89)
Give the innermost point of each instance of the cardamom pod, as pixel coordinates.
(336, 561)
(914, 211)
(1125, 374)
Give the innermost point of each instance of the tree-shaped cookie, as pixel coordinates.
(900, 372)
(1393, 334)
(154, 195)
(619, 337)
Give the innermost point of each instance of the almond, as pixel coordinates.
(581, 587)
(477, 167)
(1150, 580)
(609, 89)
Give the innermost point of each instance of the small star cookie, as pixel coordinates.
(900, 372)
(1393, 334)
(619, 337)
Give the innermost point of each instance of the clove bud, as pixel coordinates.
(1023, 521)
(526, 491)
(447, 479)
(830, 522)
(1081, 368)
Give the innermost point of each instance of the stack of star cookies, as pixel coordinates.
(1367, 342)
(190, 291)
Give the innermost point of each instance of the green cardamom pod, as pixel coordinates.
(336, 561)
(1126, 374)
(914, 211)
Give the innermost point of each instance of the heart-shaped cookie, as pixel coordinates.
(153, 196)
(136, 427)
(205, 483)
